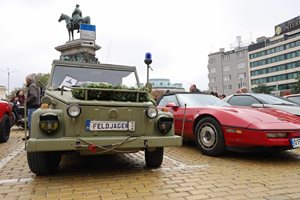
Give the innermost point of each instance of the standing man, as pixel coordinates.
(33, 97)
(194, 89)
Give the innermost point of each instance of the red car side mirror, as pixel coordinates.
(172, 105)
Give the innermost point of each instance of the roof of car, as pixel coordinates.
(172, 93)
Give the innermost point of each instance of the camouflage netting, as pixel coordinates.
(108, 92)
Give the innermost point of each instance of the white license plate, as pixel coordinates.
(110, 125)
(295, 142)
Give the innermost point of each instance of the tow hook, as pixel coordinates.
(79, 145)
(146, 143)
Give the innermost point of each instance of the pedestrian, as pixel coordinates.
(194, 89)
(19, 98)
(33, 98)
(222, 96)
(244, 90)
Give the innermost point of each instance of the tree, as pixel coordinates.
(296, 86)
(42, 80)
(262, 88)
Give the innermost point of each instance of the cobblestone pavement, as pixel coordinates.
(185, 174)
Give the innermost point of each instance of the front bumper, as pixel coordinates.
(83, 143)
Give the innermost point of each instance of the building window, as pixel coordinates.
(226, 68)
(240, 54)
(275, 49)
(211, 60)
(226, 57)
(241, 65)
(227, 78)
(213, 79)
(242, 75)
(227, 87)
(212, 70)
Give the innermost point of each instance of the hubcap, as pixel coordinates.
(207, 136)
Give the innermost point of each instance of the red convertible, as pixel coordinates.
(5, 121)
(216, 126)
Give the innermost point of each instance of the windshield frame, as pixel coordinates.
(59, 63)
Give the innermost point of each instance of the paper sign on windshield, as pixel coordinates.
(68, 81)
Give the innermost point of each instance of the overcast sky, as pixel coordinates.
(179, 33)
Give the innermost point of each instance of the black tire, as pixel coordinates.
(43, 163)
(4, 129)
(209, 137)
(155, 157)
(14, 119)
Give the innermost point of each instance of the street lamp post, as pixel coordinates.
(8, 78)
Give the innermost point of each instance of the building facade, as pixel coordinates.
(275, 61)
(164, 83)
(228, 70)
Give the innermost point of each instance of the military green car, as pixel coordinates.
(86, 108)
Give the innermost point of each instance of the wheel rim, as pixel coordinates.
(207, 136)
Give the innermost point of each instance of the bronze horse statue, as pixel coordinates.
(71, 25)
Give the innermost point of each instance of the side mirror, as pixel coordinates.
(172, 105)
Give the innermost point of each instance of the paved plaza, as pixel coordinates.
(184, 174)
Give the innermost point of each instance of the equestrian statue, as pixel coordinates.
(74, 22)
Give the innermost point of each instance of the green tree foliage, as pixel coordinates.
(262, 88)
(296, 86)
(42, 80)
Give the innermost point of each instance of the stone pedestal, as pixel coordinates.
(80, 50)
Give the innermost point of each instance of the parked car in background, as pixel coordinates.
(294, 98)
(263, 100)
(5, 121)
(216, 126)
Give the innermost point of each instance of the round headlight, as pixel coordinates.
(151, 112)
(74, 110)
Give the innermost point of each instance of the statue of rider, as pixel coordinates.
(76, 17)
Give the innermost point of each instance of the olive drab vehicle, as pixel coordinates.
(78, 116)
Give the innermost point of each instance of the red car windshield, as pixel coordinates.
(199, 100)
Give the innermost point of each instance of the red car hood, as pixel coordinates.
(264, 118)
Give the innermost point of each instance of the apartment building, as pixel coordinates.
(228, 70)
(275, 61)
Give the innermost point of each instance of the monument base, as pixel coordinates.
(79, 51)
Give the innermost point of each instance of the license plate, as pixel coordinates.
(110, 125)
(295, 142)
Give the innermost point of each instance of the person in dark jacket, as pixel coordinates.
(194, 89)
(33, 97)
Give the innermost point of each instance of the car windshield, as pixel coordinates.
(269, 99)
(199, 100)
(295, 99)
(76, 76)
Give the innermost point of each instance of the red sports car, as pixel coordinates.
(5, 120)
(216, 126)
